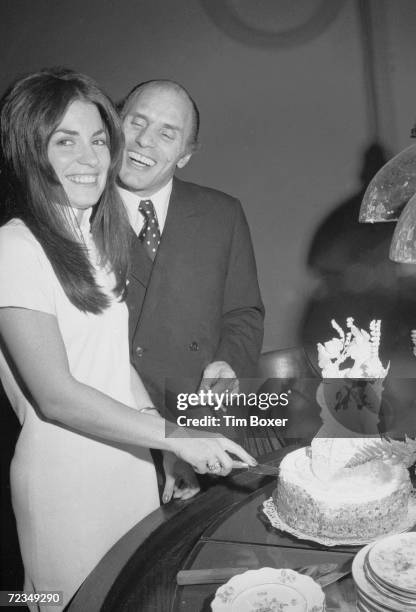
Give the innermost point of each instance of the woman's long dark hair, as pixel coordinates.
(31, 110)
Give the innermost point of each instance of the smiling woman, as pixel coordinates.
(82, 474)
(62, 325)
(46, 163)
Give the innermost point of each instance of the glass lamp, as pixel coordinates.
(390, 189)
(403, 244)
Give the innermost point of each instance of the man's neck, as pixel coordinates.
(145, 195)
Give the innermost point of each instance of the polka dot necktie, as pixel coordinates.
(150, 232)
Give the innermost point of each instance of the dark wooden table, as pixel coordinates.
(221, 527)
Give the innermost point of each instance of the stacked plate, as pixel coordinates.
(384, 573)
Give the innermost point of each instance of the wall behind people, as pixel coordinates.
(284, 127)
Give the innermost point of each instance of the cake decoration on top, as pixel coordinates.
(387, 449)
(358, 347)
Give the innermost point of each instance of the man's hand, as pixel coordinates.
(219, 377)
(180, 479)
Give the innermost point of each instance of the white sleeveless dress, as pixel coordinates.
(73, 496)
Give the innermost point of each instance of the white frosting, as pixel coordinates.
(364, 483)
(331, 455)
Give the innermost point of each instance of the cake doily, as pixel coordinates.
(270, 510)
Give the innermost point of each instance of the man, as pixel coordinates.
(196, 316)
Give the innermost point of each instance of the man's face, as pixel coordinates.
(157, 128)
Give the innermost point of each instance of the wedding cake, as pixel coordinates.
(350, 484)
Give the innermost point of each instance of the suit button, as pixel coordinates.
(194, 346)
(139, 351)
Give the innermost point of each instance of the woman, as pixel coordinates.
(81, 475)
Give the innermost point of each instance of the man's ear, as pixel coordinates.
(184, 160)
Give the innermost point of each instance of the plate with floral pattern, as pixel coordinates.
(393, 561)
(274, 590)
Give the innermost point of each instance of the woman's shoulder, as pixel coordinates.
(17, 231)
(16, 239)
(26, 277)
(17, 228)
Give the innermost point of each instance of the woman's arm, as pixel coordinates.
(34, 343)
(140, 394)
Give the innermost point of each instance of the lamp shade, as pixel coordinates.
(390, 189)
(403, 244)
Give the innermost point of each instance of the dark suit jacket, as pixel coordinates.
(199, 301)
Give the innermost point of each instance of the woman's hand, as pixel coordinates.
(180, 479)
(207, 452)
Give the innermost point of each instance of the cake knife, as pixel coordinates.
(260, 468)
(324, 573)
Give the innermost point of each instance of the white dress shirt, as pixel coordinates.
(160, 201)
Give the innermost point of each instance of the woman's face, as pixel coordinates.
(78, 151)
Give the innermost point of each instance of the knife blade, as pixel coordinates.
(260, 468)
(324, 573)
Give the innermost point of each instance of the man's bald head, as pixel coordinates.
(166, 85)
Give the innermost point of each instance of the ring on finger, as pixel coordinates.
(214, 467)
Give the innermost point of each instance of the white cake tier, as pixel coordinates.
(364, 501)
